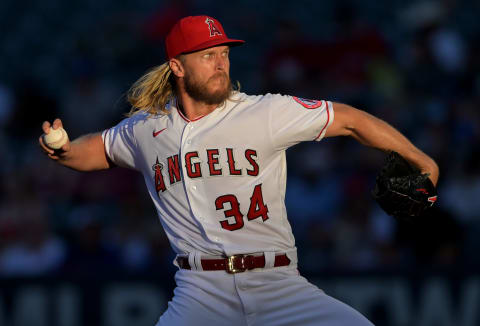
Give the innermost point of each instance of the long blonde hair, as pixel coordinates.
(151, 92)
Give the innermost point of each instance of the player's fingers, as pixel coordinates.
(44, 147)
(53, 157)
(57, 123)
(46, 127)
(66, 147)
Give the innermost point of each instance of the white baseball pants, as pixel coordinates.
(262, 297)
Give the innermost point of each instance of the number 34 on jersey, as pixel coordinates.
(257, 209)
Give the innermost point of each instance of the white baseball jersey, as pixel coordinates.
(218, 182)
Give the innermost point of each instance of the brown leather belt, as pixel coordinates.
(235, 264)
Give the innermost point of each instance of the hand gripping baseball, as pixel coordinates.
(54, 141)
(402, 190)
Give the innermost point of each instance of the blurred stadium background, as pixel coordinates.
(87, 249)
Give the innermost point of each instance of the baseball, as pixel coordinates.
(56, 138)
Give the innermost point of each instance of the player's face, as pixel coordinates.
(207, 77)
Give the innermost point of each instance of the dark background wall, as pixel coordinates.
(412, 63)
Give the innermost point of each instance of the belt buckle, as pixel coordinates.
(230, 264)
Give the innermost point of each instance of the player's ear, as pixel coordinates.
(177, 67)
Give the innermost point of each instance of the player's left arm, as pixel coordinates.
(374, 132)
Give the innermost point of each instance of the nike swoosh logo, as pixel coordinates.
(156, 133)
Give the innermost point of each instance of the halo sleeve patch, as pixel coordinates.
(308, 104)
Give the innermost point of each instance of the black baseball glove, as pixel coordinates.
(402, 190)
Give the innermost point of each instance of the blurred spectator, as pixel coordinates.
(33, 249)
(289, 60)
(132, 234)
(158, 23)
(461, 190)
(436, 240)
(88, 104)
(32, 106)
(6, 105)
(89, 254)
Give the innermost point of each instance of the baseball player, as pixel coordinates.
(213, 160)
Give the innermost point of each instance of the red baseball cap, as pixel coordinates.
(196, 33)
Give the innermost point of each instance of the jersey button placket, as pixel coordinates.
(189, 141)
(186, 141)
(184, 147)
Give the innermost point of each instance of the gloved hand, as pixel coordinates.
(401, 190)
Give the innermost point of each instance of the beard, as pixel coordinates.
(201, 93)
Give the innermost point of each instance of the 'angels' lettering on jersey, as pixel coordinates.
(219, 162)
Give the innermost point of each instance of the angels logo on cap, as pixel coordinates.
(211, 26)
(189, 34)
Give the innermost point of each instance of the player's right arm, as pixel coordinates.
(86, 153)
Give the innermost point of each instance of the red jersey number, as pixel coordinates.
(233, 211)
(257, 209)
